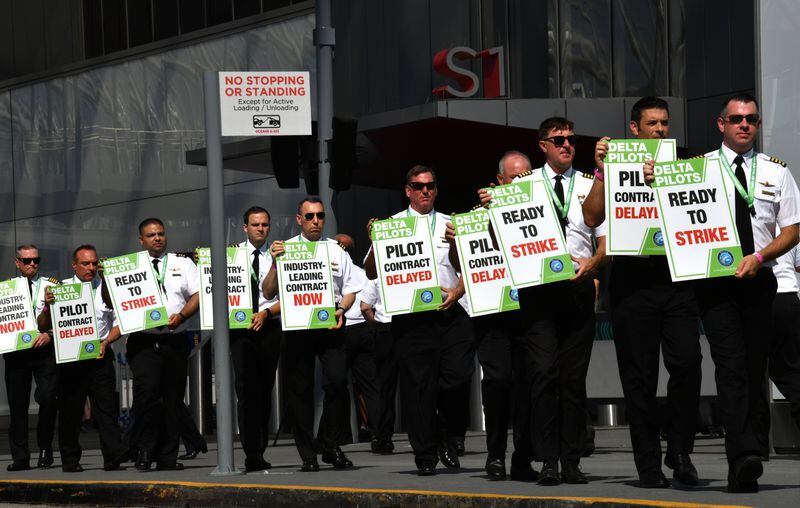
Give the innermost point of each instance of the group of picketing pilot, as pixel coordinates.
(534, 360)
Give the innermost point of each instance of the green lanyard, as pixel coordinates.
(748, 195)
(433, 221)
(562, 207)
(36, 296)
(160, 274)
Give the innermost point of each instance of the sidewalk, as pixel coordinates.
(391, 480)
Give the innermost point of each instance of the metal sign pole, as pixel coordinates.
(324, 39)
(216, 212)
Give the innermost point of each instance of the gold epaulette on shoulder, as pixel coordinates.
(476, 207)
(589, 176)
(53, 280)
(184, 255)
(523, 174)
(233, 245)
(701, 156)
(777, 161)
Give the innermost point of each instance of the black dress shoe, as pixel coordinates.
(549, 474)
(45, 458)
(336, 458)
(656, 480)
(572, 475)
(387, 446)
(426, 469)
(189, 455)
(682, 469)
(524, 474)
(255, 464)
(744, 474)
(143, 461)
(18, 466)
(448, 455)
(496, 469)
(116, 463)
(169, 466)
(460, 448)
(310, 465)
(72, 468)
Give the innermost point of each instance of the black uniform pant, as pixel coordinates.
(386, 379)
(301, 349)
(736, 315)
(255, 357)
(158, 363)
(360, 350)
(559, 325)
(784, 354)
(499, 339)
(21, 367)
(97, 380)
(650, 313)
(435, 355)
(193, 441)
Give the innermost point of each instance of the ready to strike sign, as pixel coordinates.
(240, 302)
(18, 327)
(134, 291)
(696, 219)
(632, 215)
(74, 322)
(406, 265)
(529, 233)
(486, 277)
(265, 103)
(305, 286)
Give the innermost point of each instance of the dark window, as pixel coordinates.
(140, 30)
(275, 4)
(640, 52)
(192, 15)
(244, 8)
(533, 49)
(165, 19)
(115, 37)
(585, 48)
(218, 11)
(92, 28)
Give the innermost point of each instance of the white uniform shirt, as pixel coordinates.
(345, 279)
(181, 281)
(785, 271)
(371, 295)
(578, 234)
(777, 200)
(353, 315)
(106, 318)
(264, 265)
(37, 293)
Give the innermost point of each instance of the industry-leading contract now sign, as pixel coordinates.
(265, 103)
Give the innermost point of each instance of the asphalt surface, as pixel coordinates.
(610, 470)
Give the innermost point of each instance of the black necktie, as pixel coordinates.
(254, 283)
(161, 284)
(743, 224)
(560, 195)
(30, 289)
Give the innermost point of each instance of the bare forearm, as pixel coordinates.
(782, 244)
(594, 212)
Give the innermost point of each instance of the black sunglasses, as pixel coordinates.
(310, 215)
(559, 140)
(418, 186)
(752, 119)
(27, 261)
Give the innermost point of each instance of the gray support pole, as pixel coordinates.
(325, 39)
(216, 211)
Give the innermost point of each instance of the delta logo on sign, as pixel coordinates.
(454, 63)
(265, 103)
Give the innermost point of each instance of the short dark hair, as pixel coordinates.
(85, 246)
(309, 199)
(649, 102)
(554, 123)
(26, 246)
(250, 211)
(739, 97)
(418, 170)
(148, 222)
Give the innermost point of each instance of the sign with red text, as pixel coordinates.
(305, 286)
(446, 63)
(406, 264)
(265, 103)
(529, 232)
(632, 215)
(74, 322)
(18, 328)
(134, 292)
(696, 219)
(486, 278)
(240, 301)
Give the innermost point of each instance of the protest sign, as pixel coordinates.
(240, 278)
(134, 290)
(633, 226)
(486, 279)
(696, 219)
(18, 328)
(305, 286)
(74, 322)
(406, 264)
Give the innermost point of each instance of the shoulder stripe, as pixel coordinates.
(777, 161)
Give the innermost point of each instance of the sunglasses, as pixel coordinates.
(559, 140)
(27, 261)
(418, 186)
(310, 215)
(752, 119)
